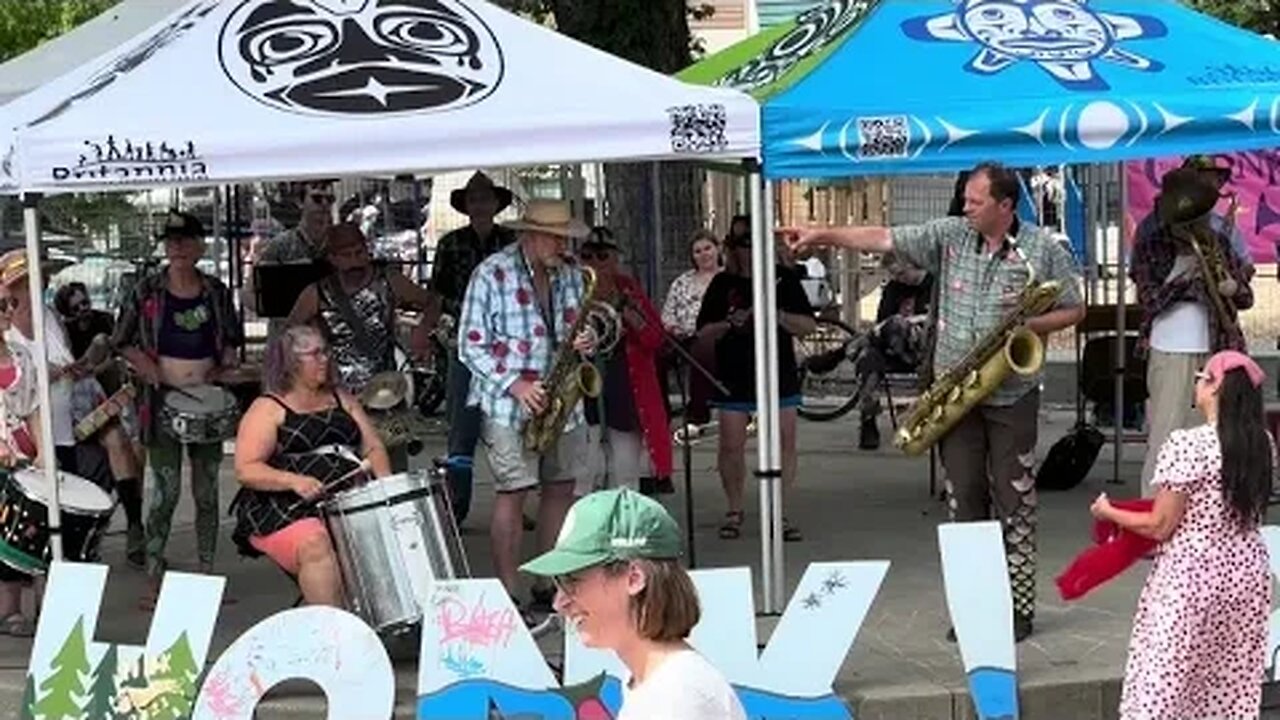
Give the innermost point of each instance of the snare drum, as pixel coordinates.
(24, 519)
(200, 414)
(393, 537)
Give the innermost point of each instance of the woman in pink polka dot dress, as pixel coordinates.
(1199, 638)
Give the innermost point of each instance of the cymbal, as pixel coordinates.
(385, 391)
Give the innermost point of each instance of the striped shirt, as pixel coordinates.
(978, 288)
(503, 333)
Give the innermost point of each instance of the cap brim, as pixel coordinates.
(563, 562)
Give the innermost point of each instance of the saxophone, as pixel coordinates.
(1008, 348)
(571, 378)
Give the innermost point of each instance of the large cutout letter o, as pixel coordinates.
(330, 647)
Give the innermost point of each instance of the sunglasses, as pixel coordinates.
(595, 254)
(8, 304)
(322, 198)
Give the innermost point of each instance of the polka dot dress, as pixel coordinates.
(1199, 638)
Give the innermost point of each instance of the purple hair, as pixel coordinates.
(280, 366)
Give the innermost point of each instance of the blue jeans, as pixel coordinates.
(464, 435)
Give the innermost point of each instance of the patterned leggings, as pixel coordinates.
(165, 455)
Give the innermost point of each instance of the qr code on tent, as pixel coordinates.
(698, 128)
(883, 137)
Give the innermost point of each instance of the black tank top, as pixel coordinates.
(262, 512)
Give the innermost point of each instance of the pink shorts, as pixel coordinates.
(282, 545)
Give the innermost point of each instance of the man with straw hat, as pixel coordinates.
(457, 256)
(520, 306)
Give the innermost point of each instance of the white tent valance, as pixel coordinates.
(237, 90)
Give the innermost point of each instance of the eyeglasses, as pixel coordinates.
(567, 584)
(319, 352)
(8, 304)
(1202, 376)
(594, 255)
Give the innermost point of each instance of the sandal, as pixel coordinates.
(18, 625)
(790, 533)
(732, 527)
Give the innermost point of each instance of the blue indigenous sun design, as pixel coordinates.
(1064, 37)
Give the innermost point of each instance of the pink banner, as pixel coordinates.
(1254, 179)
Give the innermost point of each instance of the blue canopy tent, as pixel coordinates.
(876, 87)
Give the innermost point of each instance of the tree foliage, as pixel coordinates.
(1260, 16)
(102, 687)
(25, 24)
(65, 685)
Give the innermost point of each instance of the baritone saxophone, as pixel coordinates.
(1007, 349)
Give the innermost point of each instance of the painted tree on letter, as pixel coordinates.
(102, 687)
(28, 709)
(65, 685)
(177, 669)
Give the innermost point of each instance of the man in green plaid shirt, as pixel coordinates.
(982, 262)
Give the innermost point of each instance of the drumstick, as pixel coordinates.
(364, 466)
(174, 388)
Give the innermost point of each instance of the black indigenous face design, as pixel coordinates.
(361, 57)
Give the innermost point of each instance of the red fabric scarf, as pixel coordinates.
(1114, 551)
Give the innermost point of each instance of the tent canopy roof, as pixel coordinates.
(857, 87)
(243, 90)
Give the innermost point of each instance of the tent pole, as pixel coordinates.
(764, 316)
(35, 279)
(1121, 354)
(755, 194)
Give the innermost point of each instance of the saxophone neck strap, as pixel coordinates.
(547, 311)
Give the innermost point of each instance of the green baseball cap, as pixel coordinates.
(608, 526)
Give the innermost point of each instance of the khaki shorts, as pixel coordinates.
(514, 468)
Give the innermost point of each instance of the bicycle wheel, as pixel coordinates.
(829, 386)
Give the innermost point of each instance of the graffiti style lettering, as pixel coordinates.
(479, 626)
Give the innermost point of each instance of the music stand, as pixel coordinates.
(277, 285)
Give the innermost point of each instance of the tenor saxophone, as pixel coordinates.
(571, 378)
(1008, 348)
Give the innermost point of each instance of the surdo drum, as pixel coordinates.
(393, 537)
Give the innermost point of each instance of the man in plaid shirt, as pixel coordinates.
(983, 261)
(519, 309)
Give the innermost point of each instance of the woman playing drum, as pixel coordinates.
(302, 440)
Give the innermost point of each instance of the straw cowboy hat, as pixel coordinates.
(13, 266)
(552, 217)
(480, 181)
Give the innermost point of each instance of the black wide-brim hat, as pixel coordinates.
(181, 224)
(480, 181)
(1186, 194)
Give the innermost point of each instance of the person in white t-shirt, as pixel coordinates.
(620, 585)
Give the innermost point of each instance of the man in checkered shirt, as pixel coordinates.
(519, 308)
(982, 262)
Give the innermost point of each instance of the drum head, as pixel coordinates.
(75, 493)
(200, 399)
(379, 490)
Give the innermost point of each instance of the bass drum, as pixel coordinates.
(394, 537)
(24, 519)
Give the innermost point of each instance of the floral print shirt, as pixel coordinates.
(684, 299)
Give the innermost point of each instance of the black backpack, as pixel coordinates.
(1070, 459)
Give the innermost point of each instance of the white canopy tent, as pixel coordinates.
(225, 91)
(53, 59)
